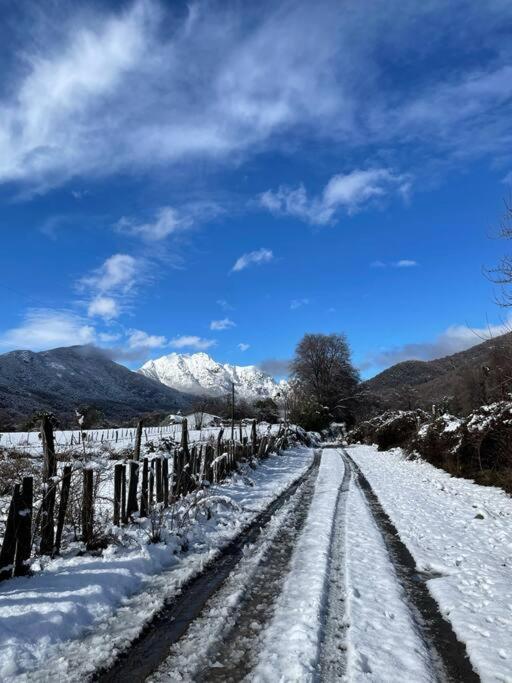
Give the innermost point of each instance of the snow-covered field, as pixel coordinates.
(461, 533)
(78, 611)
(70, 441)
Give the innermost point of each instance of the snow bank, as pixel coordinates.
(461, 533)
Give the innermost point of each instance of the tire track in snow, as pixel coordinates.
(152, 648)
(332, 656)
(449, 659)
(235, 654)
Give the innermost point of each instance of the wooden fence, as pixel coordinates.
(138, 484)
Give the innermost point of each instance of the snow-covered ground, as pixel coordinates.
(78, 611)
(70, 441)
(462, 534)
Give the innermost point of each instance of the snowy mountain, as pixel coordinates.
(199, 374)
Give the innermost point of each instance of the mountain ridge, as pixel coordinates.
(450, 376)
(58, 380)
(200, 374)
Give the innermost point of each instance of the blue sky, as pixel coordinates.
(228, 176)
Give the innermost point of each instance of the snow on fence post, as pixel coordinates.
(254, 438)
(118, 492)
(159, 483)
(131, 505)
(88, 506)
(138, 439)
(24, 527)
(165, 479)
(49, 472)
(63, 504)
(9, 543)
(144, 502)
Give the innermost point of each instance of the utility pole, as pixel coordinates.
(232, 412)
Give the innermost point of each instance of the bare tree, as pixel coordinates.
(325, 381)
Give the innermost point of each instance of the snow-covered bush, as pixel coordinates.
(440, 441)
(478, 446)
(391, 429)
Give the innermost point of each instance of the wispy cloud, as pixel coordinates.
(169, 220)
(138, 339)
(455, 338)
(111, 90)
(45, 328)
(275, 366)
(117, 273)
(244, 347)
(192, 342)
(103, 307)
(257, 258)
(224, 324)
(405, 263)
(402, 263)
(225, 305)
(298, 303)
(348, 192)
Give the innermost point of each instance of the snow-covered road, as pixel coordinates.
(370, 568)
(322, 595)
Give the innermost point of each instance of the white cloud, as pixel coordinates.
(253, 258)
(138, 339)
(348, 192)
(118, 273)
(103, 307)
(244, 347)
(224, 324)
(193, 342)
(167, 222)
(224, 305)
(403, 263)
(141, 87)
(298, 303)
(44, 328)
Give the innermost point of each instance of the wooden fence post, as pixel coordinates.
(138, 439)
(9, 543)
(131, 505)
(165, 479)
(24, 527)
(124, 516)
(159, 484)
(88, 507)
(49, 472)
(118, 488)
(144, 502)
(63, 504)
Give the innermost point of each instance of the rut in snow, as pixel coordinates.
(233, 656)
(148, 652)
(332, 656)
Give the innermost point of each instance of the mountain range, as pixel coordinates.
(200, 374)
(62, 379)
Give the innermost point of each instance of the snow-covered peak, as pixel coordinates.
(199, 373)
